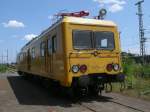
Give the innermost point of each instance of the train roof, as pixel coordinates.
(74, 20)
(78, 20)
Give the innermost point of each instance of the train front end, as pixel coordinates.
(92, 54)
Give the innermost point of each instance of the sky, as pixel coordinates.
(21, 20)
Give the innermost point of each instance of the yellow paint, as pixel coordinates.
(60, 67)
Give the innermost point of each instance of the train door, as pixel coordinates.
(54, 48)
(28, 60)
(43, 56)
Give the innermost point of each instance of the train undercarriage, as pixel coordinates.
(92, 84)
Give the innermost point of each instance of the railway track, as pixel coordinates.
(91, 107)
(87, 107)
(93, 110)
(127, 106)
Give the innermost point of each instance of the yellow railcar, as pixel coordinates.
(76, 52)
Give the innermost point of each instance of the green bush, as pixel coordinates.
(135, 73)
(3, 68)
(137, 78)
(146, 71)
(128, 69)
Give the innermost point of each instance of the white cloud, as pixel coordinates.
(115, 8)
(29, 37)
(120, 2)
(112, 5)
(13, 24)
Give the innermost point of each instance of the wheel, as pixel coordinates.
(108, 87)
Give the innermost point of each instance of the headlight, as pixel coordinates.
(116, 67)
(75, 68)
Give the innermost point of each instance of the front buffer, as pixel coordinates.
(95, 83)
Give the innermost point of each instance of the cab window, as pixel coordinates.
(104, 40)
(82, 39)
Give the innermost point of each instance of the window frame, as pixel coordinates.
(41, 48)
(107, 47)
(21, 57)
(91, 38)
(49, 46)
(33, 55)
(54, 44)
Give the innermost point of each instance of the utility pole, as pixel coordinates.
(7, 57)
(2, 58)
(141, 30)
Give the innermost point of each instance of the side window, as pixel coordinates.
(33, 53)
(42, 49)
(24, 56)
(21, 57)
(49, 46)
(54, 44)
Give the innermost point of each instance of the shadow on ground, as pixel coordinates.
(31, 93)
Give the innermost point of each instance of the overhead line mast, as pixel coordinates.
(141, 29)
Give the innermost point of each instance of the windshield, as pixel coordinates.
(104, 40)
(82, 39)
(93, 40)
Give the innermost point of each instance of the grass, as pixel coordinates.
(140, 89)
(3, 68)
(137, 79)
